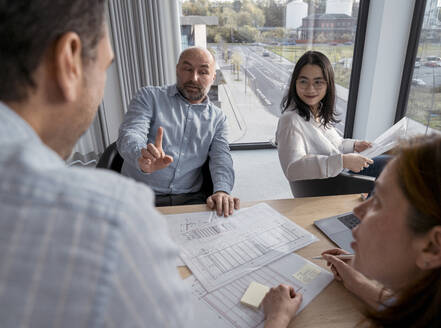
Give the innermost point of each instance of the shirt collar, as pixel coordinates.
(14, 129)
(13, 125)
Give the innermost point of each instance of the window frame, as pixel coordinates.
(411, 53)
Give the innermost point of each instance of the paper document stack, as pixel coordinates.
(226, 254)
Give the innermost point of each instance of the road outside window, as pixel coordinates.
(256, 45)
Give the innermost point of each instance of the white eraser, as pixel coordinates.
(254, 294)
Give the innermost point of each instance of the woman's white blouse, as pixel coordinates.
(308, 150)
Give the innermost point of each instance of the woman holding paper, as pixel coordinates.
(309, 146)
(396, 268)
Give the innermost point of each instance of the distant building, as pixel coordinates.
(339, 7)
(194, 30)
(328, 27)
(296, 10)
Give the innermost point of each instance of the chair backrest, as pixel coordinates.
(342, 184)
(112, 160)
(207, 183)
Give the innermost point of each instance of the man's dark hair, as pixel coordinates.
(28, 28)
(292, 99)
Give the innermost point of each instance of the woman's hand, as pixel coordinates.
(356, 162)
(359, 146)
(336, 251)
(280, 306)
(366, 289)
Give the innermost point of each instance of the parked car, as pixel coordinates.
(418, 82)
(417, 62)
(265, 53)
(431, 64)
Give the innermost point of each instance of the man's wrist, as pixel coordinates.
(221, 191)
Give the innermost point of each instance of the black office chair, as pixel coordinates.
(112, 160)
(342, 184)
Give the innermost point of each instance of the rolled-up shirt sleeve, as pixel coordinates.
(133, 133)
(221, 163)
(347, 146)
(296, 163)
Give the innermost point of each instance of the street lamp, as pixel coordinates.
(246, 72)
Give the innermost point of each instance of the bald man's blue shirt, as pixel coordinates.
(191, 133)
(80, 247)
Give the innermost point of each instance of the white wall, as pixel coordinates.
(385, 49)
(200, 35)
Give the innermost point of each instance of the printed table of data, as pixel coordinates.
(219, 250)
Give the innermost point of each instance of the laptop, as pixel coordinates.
(339, 229)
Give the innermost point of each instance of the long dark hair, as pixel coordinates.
(326, 111)
(418, 164)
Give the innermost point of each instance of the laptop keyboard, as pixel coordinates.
(349, 220)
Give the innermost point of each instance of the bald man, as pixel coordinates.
(169, 132)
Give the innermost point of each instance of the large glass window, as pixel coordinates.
(424, 103)
(257, 43)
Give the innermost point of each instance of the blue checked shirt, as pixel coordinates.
(80, 247)
(191, 133)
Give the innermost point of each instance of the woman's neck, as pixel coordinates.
(314, 111)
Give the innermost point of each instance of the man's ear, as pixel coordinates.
(430, 251)
(68, 65)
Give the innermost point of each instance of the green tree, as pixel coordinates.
(274, 12)
(320, 38)
(195, 7)
(256, 16)
(247, 34)
(276, 34)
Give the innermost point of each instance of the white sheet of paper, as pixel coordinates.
(387, 140)
(403, 129)
(219, 250)
(222, 308)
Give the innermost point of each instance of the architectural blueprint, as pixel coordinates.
(222, 307)
(219, 250)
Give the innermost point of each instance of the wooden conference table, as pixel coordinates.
(335, 306)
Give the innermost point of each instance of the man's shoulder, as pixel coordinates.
(163, 90)
(33, 176)
(107, 188)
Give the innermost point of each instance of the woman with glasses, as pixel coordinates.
(396, 268)
(309, 146)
